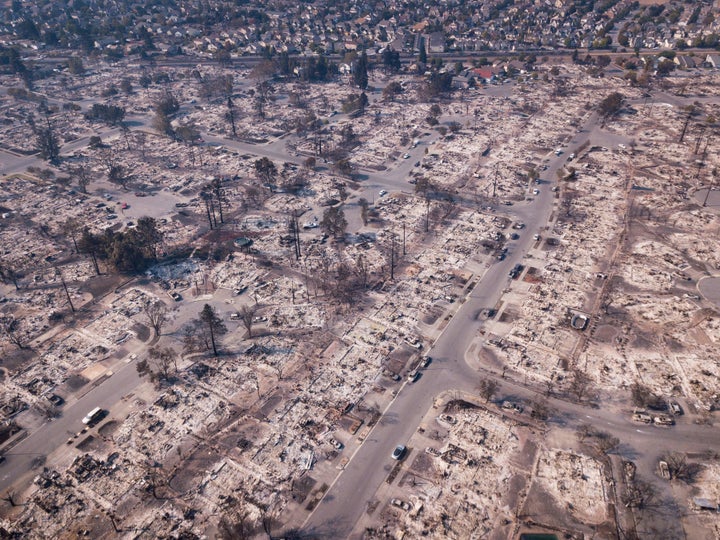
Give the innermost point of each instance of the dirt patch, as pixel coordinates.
(269, 406)
(15, 360)
(605, 333)
(540, 503)
(108, 428)
(509, 315)
(316, 499)
(431, 316)
(7, 431)
(531, 276)
(302, 488)
(90, 443)
(101, 285)
(142, 331)
(120, 353)
(203, 459)
(395, 471)
(643, 342)
(459, 405)
(350, 423)
(422, 464)
(75, 382)
(399, 358)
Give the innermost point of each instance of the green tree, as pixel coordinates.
(118, 175)
(392, 89)
(125, 252)
(422, 55)
(149, 236)
(333, 222)
(611, 105)
(92, 245)
(48, 144)
(266, 170)
(360, 74)
(391, 59)
(364, 210)
(75, 65)
(213, 325)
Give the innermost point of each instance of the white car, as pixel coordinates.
(383, 192)
(406, 156)
(536, 192)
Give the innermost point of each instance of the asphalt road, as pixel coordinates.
(347, 499)
(39, 444)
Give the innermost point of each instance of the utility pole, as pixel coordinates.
(700, 164)
(495, 182)
(295, 227)
(392, 257)
(687, 121)
(698, 141)
(404, 252)
(67, 293)
(427, 213)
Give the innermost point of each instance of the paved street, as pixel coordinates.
(54, 434)
(345, 501)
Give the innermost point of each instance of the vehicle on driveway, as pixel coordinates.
(400, 504)
(675, 408)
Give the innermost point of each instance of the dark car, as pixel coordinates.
(399, 451)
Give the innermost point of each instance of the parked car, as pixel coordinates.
(399, 452)
(400, 504)
(675, 408)
(336, 444)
